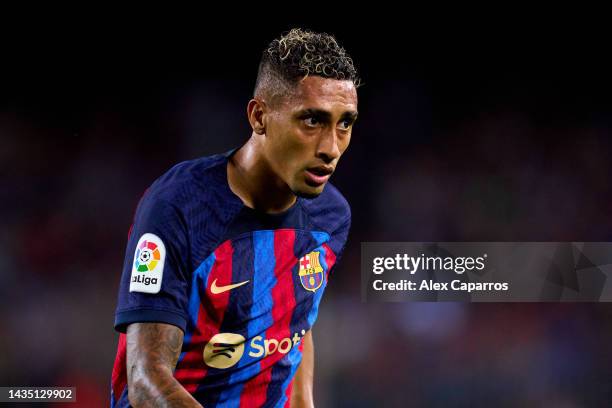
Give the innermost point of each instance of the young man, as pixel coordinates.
(229, 255)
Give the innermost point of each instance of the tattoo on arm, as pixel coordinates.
(152, 353)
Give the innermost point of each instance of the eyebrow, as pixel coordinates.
(352, 115)
(325, 115)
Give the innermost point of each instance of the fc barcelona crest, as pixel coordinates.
(311, 272)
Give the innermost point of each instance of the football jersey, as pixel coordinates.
(243, 285)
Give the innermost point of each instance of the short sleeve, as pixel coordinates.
(155, 281)
(338, 240)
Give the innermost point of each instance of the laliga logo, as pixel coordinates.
(146, 259)
(148, 264)
(225, 349)
(145, 280)
(147, 256)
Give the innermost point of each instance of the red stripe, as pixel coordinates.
(283, 298)
(191, 370)
(289, 389)
(119, 376)
(330, 260)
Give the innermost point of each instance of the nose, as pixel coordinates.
(327, 149)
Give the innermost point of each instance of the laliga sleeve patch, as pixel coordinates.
(148, 266)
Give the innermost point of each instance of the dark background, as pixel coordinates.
(467, 132)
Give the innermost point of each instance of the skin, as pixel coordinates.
(152, 352)
(302, 393)
(309, 129)
(304, 132)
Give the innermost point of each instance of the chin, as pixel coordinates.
(308, 191)
(309, 194)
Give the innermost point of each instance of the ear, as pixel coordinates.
(256, 112)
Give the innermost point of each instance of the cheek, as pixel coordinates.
(343, 143)
(296, 153)
(285, 149)
(293, 143)
(289, 146)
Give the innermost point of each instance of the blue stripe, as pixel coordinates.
(199, 280)
(260, 316)
(320, 237)
(294, 357)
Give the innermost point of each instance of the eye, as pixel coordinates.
(345, 124)
(311, 121)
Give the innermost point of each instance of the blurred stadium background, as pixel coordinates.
(462, 137)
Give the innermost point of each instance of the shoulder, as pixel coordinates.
(190, 188)
(188, 179)
(191, 200)
(330, 210)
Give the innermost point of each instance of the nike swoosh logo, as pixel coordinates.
(220, 289)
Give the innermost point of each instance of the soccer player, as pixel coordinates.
(229, 255)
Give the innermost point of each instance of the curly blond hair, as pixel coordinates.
(298, 54)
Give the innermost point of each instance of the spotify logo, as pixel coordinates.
(224, 350)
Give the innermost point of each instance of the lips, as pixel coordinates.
(316, 176)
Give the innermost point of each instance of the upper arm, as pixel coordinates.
(156, 279)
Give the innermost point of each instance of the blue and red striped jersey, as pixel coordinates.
(244, 286)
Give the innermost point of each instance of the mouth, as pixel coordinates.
(316, 176)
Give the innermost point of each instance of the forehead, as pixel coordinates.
(328, 94)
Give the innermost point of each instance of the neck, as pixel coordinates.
(251, 178)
